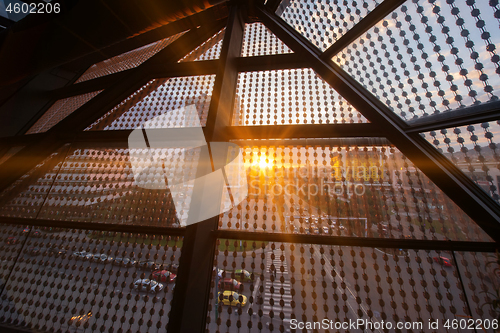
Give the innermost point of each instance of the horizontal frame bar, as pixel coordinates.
(473, 114)
(414, 244)
(81, 225)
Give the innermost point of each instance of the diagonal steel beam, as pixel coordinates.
(451, 180)
(381, 11)
(473, 114)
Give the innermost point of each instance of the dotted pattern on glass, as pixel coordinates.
(428, 57)
(161, 97)
(324, 23)
(473, 149)
(283, 97)
(361, 191)
(209, 50)
(25, 196)
(77, 280)
(128, 60)
(60, 110)
(480, 274)
(259, 41)
(281, 284)
(98, 185)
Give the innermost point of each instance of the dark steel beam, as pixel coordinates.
(83, 225)
(85, 87)
(451, 180)
(192, 290)
(303, 131)
(189, 68)
(377, 14)
(393, 243)
(484, 112)
(334, 142)
(272, 5)
(360, 134)
(163, 70)
(270, 62)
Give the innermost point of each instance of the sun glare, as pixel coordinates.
(264, 162)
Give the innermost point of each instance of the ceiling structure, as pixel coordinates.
(381, 116)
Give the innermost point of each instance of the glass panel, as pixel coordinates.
(412, 61)
(127, 60)
(336, 288)
(283, 97)
(121, 185)
(163, 99)
(357, 190)
(480, 273)
(25, 196)
(210, 50)
(323, 23)
(74, 280)
(473, 149)
(258, 41)
(60, 110)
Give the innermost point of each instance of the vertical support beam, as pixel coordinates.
(191, 295)
(451, 180)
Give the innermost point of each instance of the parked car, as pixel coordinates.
(230, 284)
(101, 258)
(172, 268)
(80, 255)
(242, 275)
(164, 276)
(148, 285)
(443, 261)
(33, 251)
(36, 234)
(148, 265)
(124, 262)
(12, 241)
(232, 298)
(56, 251)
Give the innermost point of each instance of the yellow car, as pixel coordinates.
(232, 298)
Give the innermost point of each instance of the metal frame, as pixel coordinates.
(200, 239)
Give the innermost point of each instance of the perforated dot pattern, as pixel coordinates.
(127, 60)
(67, 280)
(258, 41)
(428, 57)
(283, 97)
(209, 50)
(324, 23)
(474, 150)
(161, 97)
(286, 285)
(360, 191)
(60, 110)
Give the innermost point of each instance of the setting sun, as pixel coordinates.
(264, 162)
